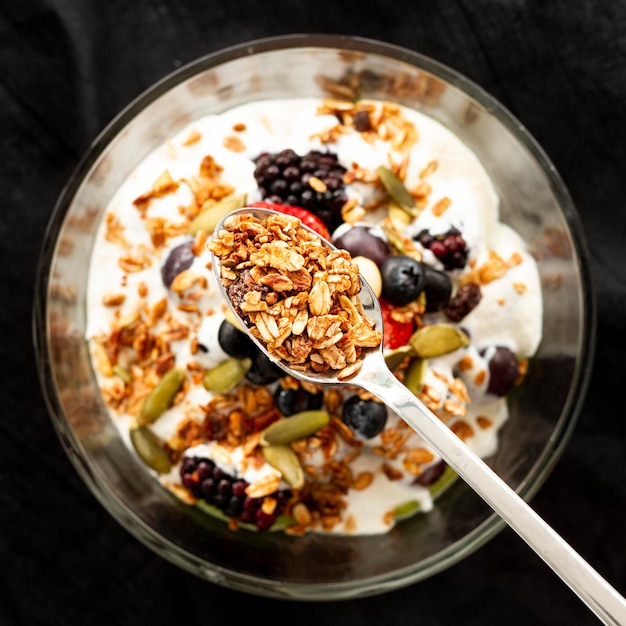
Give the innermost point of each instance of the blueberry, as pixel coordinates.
(292, 401)
(437, 288)
(178, 260)
(403, 279)
(263, 370)
(365, 417)
(503, 370)
(234, 341)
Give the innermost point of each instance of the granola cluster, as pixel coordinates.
(299, 298)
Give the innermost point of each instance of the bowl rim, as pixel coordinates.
(453, 553)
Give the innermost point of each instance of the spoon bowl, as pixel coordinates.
(369, 301)
(376, 378)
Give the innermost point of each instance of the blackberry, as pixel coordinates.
(283, 177)
(450, 247)
(207, 481)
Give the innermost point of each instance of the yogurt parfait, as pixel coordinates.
(222, 426)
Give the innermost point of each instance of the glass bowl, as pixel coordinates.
(543, 410)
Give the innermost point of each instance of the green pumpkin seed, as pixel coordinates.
(149, 448)
(414, 375)
(437, 339)
(123, 373)
(286, 461)
(208, 219)
(161, 397)
(227, 375)
(447, 479)
(410, 507)
(395, 188)
(298, 426)
(395, 241)
(406, 509)
(396, 356)
(399, 213)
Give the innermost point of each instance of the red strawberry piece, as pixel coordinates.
(396, 333)
(306, 217)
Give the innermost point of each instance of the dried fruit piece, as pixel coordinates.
(298, 426)
(161, 397)
(209, 218)
(149, 448)
(437, 339)
(464, 301)
(285, 460)
(396, 334)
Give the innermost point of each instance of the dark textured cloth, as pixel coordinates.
(67, 67)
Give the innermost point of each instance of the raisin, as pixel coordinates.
(464, 300)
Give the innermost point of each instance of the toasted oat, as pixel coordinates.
(234, 144)
(263, 487)
(113, 299)
(441, 206)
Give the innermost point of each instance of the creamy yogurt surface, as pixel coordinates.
(139, 327)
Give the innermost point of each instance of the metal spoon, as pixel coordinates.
(376, 378)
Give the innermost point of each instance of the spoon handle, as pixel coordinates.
(590, 587)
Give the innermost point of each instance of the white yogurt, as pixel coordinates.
(509, 313)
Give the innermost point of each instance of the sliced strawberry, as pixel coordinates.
(306, 217)
(396, 333)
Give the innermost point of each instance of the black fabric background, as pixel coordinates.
(66, 69)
